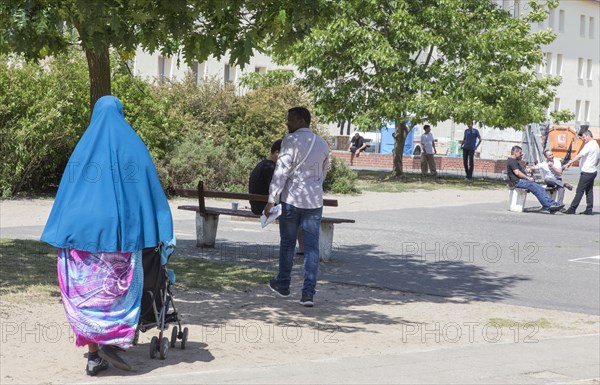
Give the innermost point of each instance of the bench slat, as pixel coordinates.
(193, 193)
(250, 214)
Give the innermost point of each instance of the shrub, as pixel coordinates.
(340, 178)
(198, 159)
(43, 112)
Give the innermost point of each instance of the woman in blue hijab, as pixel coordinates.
(110, 205)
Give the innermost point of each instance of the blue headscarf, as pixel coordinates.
(110, 198)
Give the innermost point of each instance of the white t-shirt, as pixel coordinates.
(590, 153)
(548, 173)
(427, 142)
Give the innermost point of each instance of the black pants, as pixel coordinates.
(585, 184)
(468, 156)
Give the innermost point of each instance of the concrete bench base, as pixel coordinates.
(518, 196)
(207, 224)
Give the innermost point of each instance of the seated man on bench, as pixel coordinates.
(519, 179)
(552, 170)
(260, 178)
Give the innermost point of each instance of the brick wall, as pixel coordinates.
(444, 164)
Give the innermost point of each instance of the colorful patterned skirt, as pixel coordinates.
(101, 293)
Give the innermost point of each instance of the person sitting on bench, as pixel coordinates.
(519, 179)
(357, 144)
(552, 170)
(260, 178)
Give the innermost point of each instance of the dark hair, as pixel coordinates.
(426, 127)
(276, 146)
(545, 151)
(514, 149)
(301, 112)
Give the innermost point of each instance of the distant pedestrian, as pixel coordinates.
(298, 184)
(471, 142)
(590, 158)
(428, 151)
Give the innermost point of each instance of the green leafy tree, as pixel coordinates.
(255, 80)
(195, 28)
(427, 61)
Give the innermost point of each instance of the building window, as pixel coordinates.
(561, 20)
(582, 25)
(517, 9)
(580, 65)
(260, 70)
(592, 27)
(199, 71)
(164, 67)
(578, 110)
(556, 104)
(586, 111)
(548, 63)
(551, 19)
(559, 64)
(589, 68)
(229, 74)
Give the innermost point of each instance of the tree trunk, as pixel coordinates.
(400, 137)
(99, 72)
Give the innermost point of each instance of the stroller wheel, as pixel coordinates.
(164, 348)
(153, 347)
(184, 338)
(136, 337)
(173, 336)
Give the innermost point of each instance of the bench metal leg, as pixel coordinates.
(516, 199)
(206, 230)
(326, 241)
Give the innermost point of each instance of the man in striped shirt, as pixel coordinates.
(298, 184)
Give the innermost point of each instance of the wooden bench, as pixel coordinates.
(207, 218)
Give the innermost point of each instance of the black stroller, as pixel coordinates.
(157, 300)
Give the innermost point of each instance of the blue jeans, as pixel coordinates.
(468, 162)
(310, 221)
(537, 190)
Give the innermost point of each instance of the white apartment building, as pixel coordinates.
(574, 56)
(153, 67)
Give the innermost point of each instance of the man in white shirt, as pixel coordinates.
(552, 170)
(427, 151)
(590, 158)
(298, 184)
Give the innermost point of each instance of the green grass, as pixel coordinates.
(541, 323)
(28, 273)
(196, 273)
(381, 181)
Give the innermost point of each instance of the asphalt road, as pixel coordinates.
(477, 252)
